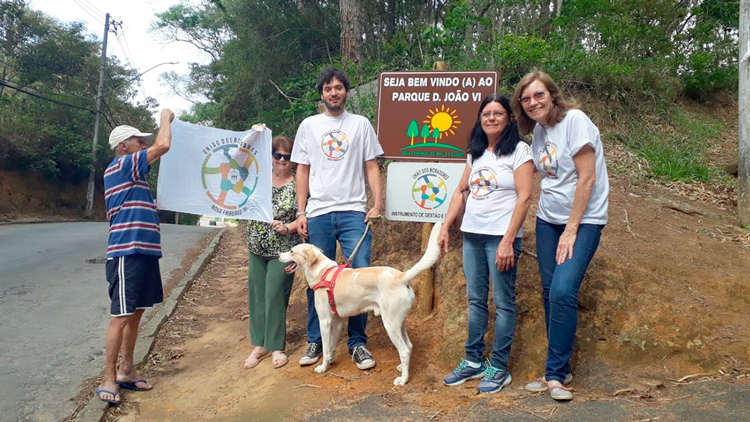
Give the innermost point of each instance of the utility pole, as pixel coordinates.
(99, 96)
(743, 182)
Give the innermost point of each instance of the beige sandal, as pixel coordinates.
(255, 357)
(279, 359)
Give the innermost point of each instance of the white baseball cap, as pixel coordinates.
(122, 133)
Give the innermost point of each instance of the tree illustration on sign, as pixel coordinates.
(436, 134)
(425, 133)
(412, 131)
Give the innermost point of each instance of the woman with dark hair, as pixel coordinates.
(571, 214)
(498, 175)
(268, 286)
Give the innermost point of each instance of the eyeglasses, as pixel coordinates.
(539, 96)
(278, 156)
(495, 114)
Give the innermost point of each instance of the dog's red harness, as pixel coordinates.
(330, 284)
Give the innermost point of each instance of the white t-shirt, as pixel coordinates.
(336, 149)
(554, 148)
(492, 195)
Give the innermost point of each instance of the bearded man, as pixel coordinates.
(334, 151)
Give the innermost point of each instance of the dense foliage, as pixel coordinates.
(266, 53)
(49, 73)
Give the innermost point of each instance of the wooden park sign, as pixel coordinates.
(429, 115)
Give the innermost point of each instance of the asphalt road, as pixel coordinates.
(55, 310)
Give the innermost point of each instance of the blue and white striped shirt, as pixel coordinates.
(133, 222)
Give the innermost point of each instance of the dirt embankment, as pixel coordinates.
(664, 302)
(663, 299)
(28, 197)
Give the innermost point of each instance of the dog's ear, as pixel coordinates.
(311, 257)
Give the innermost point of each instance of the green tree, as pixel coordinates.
(265, 54)
(412, 130)
(425, 132)
(49, 80)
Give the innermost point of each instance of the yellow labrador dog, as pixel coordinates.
(384, 290)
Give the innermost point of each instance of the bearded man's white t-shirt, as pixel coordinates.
(492, 191)
(336, 148)
(554, 148)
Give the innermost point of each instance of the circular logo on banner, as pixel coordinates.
(335, 144)
(429, 191)
(483, 182)
(230, 176)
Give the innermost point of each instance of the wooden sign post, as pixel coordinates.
(428, 116)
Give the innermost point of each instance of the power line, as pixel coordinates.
(136, 77)
(132, 60)
(122, 41)
(111, 112)
(45, 98)
(3, 83)
(96, 15)
(89, 4)
(46, 92)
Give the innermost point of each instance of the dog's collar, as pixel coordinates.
(331, 283)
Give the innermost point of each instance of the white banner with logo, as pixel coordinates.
(421, 191)
(217, 173)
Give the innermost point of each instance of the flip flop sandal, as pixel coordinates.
(278, 363)
(258, 357)
(114, 393)
(131, 385)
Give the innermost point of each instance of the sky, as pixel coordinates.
(135, 46)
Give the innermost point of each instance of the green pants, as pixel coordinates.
(268, 290)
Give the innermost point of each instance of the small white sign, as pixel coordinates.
(421, 191)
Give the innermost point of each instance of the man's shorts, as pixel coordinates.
(134, 283)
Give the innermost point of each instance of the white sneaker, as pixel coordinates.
(363, 357)
(560, 393)
(314, 350)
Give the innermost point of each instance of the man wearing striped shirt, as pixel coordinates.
(133, 252)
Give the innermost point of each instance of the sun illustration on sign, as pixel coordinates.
(443, 119)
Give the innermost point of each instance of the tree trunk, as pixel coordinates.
(390, 18)
(544, 19)
(501, 25)
(743, 200)
(351, 31)
(558, 7)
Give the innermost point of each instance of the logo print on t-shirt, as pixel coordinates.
(483, 182)
(429, 191)
(548, 160)
(335, 144)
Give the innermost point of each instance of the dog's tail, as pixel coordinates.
(430, 256)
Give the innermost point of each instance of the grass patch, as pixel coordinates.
(695, 125)
(675, 143)
(676, 159)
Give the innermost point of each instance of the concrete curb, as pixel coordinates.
(94, 410)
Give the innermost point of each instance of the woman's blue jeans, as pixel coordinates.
(324, 230)
(479, 268)
(560, 285)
